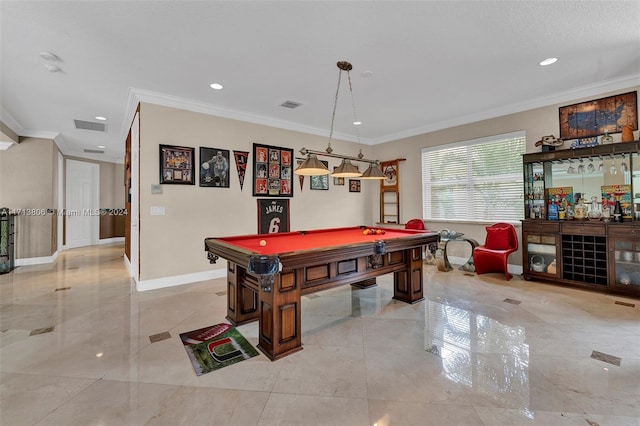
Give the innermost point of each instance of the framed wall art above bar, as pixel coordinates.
(593, 118)
(176, 165)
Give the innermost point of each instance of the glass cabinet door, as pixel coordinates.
(626, 263)
(542, 254)
(534, 191)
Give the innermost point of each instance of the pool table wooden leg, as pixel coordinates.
(280, 330)
(408, 283)
(242, 295)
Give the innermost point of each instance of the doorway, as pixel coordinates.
(82, 211)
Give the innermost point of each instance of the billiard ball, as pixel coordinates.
(263, 243)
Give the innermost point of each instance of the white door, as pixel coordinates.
(82, 204)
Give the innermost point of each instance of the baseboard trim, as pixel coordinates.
(164, 282)
(111, 240)
(37, 260)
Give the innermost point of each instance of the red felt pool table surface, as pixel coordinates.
(311, 240)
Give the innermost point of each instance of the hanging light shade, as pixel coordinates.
(346, 169)
(312, 167)
(373, 172)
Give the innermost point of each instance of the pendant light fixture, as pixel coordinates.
(314, 167)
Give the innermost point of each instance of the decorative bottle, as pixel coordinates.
(578, 211)
(606, 138)
(606, 212)
(617, 210)
(627, 133)
(594, 212)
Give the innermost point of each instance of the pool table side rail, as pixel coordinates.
(294, 259)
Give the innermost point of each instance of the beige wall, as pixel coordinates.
(28, 181)
(173, 244)
(537, 123)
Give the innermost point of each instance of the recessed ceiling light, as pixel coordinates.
(101, 146)
(357, 123)
(548, 61)
(52, 68)
(98, 117)
(48, 56)
(216, 86)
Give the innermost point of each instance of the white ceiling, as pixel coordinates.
(433, 64)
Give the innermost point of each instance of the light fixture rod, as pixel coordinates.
(305, 151)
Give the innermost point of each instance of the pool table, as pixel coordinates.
(307, 262)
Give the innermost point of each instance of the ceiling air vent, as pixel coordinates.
(290, 104)
(90, 125)
(94, 151)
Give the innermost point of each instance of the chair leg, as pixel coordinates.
(507, 275)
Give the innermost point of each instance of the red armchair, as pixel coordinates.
(500, 242)
(414, 224)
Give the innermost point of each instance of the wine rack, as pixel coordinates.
(584, 259)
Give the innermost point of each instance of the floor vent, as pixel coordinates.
(90, 125)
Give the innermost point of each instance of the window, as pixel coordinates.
(479, 179)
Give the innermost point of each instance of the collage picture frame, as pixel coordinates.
(272, 171)
(176, 165)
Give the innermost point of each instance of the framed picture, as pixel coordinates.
(176, 165)
(214, 167)
(272, 171)
(390, 170)
(320, 182)
(273, 216)
(354, 185)
(337, 180)
(592, 118)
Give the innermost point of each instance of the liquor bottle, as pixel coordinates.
(606, 138)
(553, 211)
(617, 211)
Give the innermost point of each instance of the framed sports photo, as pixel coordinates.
(354, 185)
(176, 165)
(272, 171)
(214, 167)
(320, 182)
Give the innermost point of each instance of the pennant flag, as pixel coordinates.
(300, 177)
(241, 165)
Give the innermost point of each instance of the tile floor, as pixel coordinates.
(76, 349)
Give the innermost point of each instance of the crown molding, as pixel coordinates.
(566, 96)
(135, 96)
(10, 122)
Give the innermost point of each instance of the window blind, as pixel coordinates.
(479, 179)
